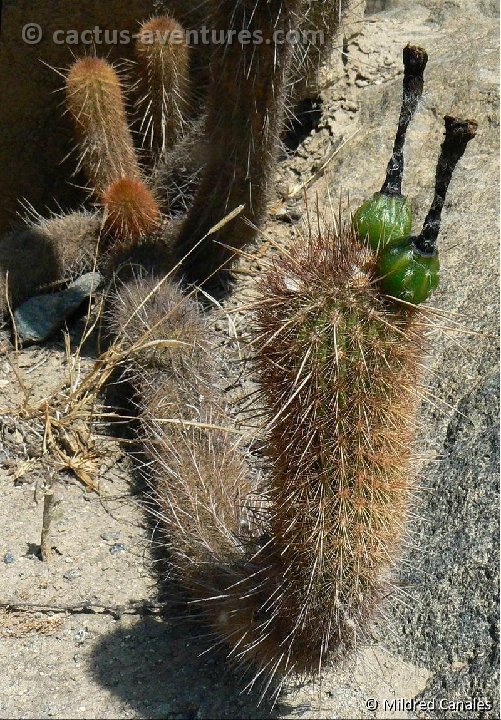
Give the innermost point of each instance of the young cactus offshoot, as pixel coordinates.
(163, 62)
(409, 268)
(95, 102)
(387, 215)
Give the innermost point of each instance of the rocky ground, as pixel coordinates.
(111, 655)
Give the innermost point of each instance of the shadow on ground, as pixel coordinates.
(159, 670)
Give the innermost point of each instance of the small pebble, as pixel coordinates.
(288, 214)
(80, 635)
(117, 548)
(72, 574)
(9, 558)
(110, 536)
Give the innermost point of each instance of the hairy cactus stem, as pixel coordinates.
(243, 125)
(95, 102)
(163, 61)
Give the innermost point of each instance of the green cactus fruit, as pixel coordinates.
(408, 269)
(406, 273)
(387, 215)
(381, 219)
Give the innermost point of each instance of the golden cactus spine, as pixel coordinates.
(95, 102)
(131, 212)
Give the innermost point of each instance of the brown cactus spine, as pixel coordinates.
(243, 126)
(95, 102)
(163, 62)
(338, 372)
(192, 458)
(131, 212)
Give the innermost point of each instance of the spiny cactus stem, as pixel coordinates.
(458, 134)
(415, 59)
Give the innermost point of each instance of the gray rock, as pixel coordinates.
(9, 558)
(110, 536)
(72, 574)
(39, 317)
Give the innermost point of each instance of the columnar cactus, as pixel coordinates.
(245, 106)
(292, 571)
(95, 102)
(163, 62)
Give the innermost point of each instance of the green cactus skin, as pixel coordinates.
(382, 219)
(406, 273)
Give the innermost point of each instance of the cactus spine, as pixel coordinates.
(58, 248)
(198, 478)
(163, 61)
(318, 24)
(243, 124)
(95, 102)
(131, 212)
(338, 370)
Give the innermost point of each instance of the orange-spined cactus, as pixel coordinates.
(95, 102)
(131, 212)
(337, 366)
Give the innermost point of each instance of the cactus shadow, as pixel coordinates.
(306, 117)
(160, 671)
